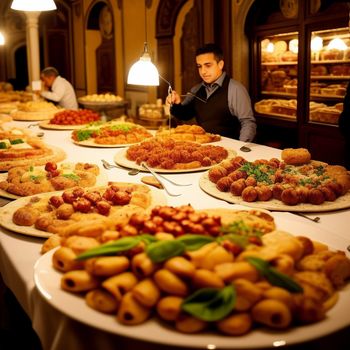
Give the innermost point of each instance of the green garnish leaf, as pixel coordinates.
(72, 176)
(16, 141)
(111, 248)
(3, 145)
(162, 250)
(194, 242)
(274, 276)
(31, 168)
(85, 134)
(210, 304)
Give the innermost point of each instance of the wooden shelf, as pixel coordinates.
(294, 63)
(330, 62)
(330, 77)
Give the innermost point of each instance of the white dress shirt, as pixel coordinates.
(63, 93)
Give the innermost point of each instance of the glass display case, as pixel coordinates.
(329, 74)
(278, 76)
(300, 69)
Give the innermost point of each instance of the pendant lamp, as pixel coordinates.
(144, 72)
(33, 5)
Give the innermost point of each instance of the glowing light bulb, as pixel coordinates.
(316, 43)
(294, 45)
(337, 44)
(270, 47)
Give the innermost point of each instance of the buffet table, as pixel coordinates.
(18, 254)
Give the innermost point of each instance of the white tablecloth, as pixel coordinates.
(18, 253)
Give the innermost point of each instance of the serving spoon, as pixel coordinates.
(108, 166)
(245, 148)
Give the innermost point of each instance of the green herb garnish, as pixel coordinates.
(72, 176)
(210, 304)
(274, 276)
(3, 145)
(85, 134)
(163, 250)
(16, 141)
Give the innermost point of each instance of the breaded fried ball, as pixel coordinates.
(296, 156)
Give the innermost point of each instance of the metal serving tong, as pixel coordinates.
(160, 180)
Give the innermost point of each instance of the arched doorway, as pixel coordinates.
(101, 50)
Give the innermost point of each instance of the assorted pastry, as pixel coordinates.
(180, 155)
(231, 271)
(29, 180)
(187, 132)
(111, 133)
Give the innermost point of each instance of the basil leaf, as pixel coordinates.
(71, 176)
(111, 248)
(194, 242)
(163, 250)
(274, 276)
(16, 141)
(210, 304)
(148, 238)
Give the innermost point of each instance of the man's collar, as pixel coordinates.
(219, 81)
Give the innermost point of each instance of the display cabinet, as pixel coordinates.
(300, 70)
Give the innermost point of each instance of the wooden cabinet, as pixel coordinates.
(300, 70)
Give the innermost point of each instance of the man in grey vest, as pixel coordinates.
(220, 104)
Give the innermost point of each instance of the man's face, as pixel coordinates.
(47, 80)
(208, 68)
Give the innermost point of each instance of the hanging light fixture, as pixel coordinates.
(144, 72)
(33, 5)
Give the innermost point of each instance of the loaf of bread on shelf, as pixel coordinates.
(340, 69)
(291, 86)
(278, 77)
(333, 90)
(319, 69)
(339, 106)
(315, 87)
(285, 107)
(334, 54)
(289, 56)
(326, 115)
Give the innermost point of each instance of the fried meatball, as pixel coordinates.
(25, 216)
(216, 173)
(64, 211)
(237, 187)
(316, 196)
(224, 184)
(250, 181)
(238, 174)
(290, 196)
(229, 166)
(303, 193)
(264, 193)
(296, 156)
(249, 194)
(277, 190)
(328, 193)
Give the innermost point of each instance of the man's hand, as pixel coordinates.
(173, 98)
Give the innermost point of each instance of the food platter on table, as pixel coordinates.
(47, 280)
(49, 154)
(101, 180)
(209, 187)
(156, 197)
(121, 159)
(47, 125)
(110, 134)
